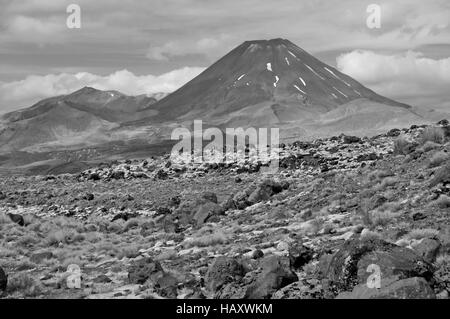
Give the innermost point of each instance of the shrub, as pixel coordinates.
(432, 134)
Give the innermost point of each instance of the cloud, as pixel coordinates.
(204, 46)
(406, 75)
(23, 93)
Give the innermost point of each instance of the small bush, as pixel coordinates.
(432, 134)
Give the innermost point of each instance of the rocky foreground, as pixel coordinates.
(337, 211)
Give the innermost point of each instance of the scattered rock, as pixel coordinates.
(16, 218)
(222, 271)
(206, 211)
(88, 196)
(351, 139)
(144, 269)
(392, 288)
(299, 255)
(258, 253)
(303, 289)
(348, 266)
(102, 279)
(276, 273)
(427, 248)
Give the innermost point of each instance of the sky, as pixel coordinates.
(145, 47)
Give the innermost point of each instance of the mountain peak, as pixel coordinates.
(85, 90)
(276, 74)
(275, 41)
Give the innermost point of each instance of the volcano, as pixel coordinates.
(260, 84)
(265, 82)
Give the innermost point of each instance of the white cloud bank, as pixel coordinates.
(23, 93)
(405, 75)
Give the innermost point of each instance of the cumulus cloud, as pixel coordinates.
(399, 75)
(204, 46)
(17, 94)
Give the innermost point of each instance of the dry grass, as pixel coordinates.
(432, 134)
(207, 237)
(24, 284)
(422, 233)
(383, 218)
(402, 146)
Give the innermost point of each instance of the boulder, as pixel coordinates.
(264, 191)
(392, 288)
(442, 175)
(348, 267)
(206, 211)
(427, 248)
(276, 273)
(299, 255)
(166, 286)
(222, 271)
(228, 204)
(310, 288)
(117, 175)
(350, 139)
(16, 218)
(443, 122)
(144, 269)
(198, 209)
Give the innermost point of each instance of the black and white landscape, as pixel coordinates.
(343, 190)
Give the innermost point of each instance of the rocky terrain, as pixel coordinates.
(316, 228)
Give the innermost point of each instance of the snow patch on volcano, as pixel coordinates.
(292, 54)
(303, 81)
(340, 92)
(299, 89)
(311, 69)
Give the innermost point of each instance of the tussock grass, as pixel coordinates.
(432, 134)
(402, 146)
(422, 233)
(24, 284)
